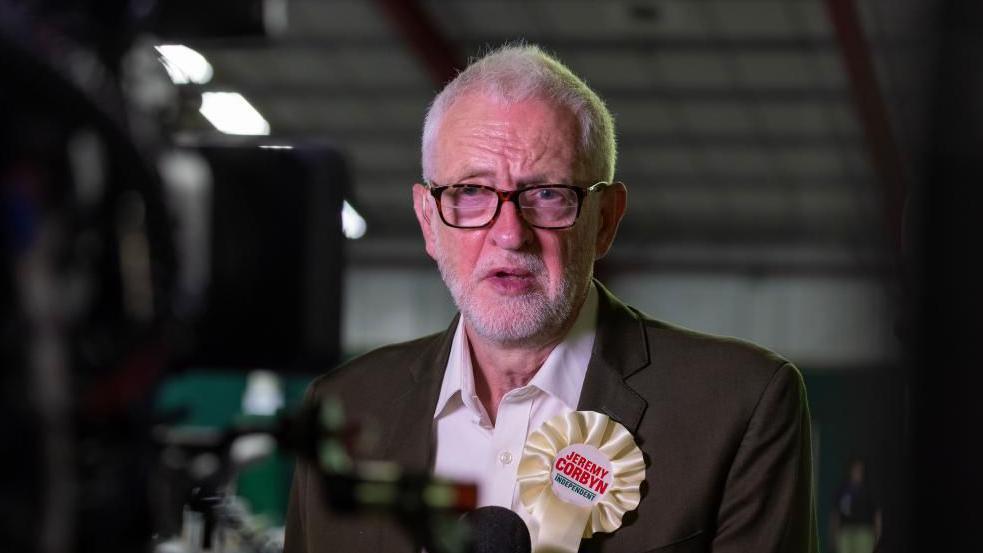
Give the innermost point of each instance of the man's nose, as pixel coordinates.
(510, 231)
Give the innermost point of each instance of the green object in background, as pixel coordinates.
(265, 486)
(214, 399)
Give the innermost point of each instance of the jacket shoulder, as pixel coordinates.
(719, 376)
(710, 357)
(726, 424)
(379, 371)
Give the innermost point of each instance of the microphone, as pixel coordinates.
(497, 530)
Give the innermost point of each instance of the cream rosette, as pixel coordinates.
(579, 474)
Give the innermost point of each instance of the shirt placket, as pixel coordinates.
(508, 440)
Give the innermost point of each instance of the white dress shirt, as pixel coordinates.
(470, 448)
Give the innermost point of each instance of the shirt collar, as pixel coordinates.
(562, 374)
(459, 376)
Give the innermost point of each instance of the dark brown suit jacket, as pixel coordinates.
(724, 426)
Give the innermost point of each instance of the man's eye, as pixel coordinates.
(469, 191)
(548, 196)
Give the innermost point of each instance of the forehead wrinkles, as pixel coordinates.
(521, 146)
(530, 136)
(500, 144)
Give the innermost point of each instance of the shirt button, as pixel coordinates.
(505, 457)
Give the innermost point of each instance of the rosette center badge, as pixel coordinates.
(581, 474)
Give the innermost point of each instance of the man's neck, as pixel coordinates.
(500, 368)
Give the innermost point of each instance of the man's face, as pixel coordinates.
(512, 282)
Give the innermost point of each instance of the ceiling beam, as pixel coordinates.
(424, 38)
(872, 111)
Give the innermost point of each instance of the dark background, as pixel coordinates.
(802, 173)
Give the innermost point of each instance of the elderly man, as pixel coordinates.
(517, 203)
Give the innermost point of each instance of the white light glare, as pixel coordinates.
(275, 147)
(352, 224)
(184, 65)
(230, 113)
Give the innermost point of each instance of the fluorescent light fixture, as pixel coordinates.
(275, 17)
(184, 65)
(275, 147)
(352, 224)
(230, 113)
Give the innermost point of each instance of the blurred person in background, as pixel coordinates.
(517, 203)
(856, 519)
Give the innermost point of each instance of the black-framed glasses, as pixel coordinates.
(545, 206)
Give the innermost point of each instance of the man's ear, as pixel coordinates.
(614, 202)
(424, 214)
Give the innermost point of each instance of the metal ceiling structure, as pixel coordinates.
(736, 119)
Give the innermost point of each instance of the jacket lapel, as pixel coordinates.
(410, 440)
(620, 349)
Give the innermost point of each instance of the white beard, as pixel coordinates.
(527, 318)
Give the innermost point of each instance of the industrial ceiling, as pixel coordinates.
(741, 136)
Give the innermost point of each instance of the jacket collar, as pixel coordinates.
(620, 350)
(410, 439)
(409, 442)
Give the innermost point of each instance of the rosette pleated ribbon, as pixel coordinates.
(579, 474)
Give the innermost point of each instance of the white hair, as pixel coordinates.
(517, 72)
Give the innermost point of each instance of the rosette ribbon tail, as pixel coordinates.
(561, 526)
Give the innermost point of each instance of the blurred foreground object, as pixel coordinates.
(264, 230)
(86, 271)
(947, 485)
(201, 464)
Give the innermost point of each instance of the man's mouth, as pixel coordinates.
(509, 273)
(509, 280)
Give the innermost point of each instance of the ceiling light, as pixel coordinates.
(352, 224)
(230, 113)
(184, 65)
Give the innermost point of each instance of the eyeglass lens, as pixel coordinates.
(471, 206)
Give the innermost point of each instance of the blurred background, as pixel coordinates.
(207, 204)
